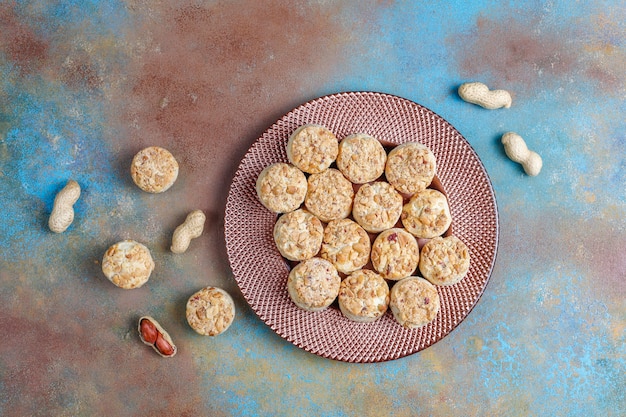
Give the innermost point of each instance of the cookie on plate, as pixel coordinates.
(329, 195)
(298, 235)
(427, 214)
(210, 311)
(313, 284)
(410, 167)
(361, 158)
(414, 302)
(363, 296)
(444, 260)
(281, 187)
(377, 206)
(346, 245)
(395, 254)
(127, 264)
(154, 169)
(312, 148)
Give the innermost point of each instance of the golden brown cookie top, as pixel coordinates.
(127, 264)
(395, 254)
(364, 296)
(427, 214)
(298, 235)
(281, 187)
(361, 158)
(312, 148)
(346, 245)
(444, 260)
(410, 167)
(154, 169)
(210, 311)
(329, 195)
(313, 284)
(414, 302)
(377, 206)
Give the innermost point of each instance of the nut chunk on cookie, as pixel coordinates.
(346, 245)
(395, 254)
(329, 195)
(127, 264)
(298, 235)
(414, 302)
(210, 311)
(281, 187)
(444, 260)
(313, 284)
(377, 206)
(427, 214)
(312, 148)
(364, 296)
(154, 169)
(410, 167)
(361, 158)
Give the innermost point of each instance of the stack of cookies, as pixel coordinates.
(361, 224)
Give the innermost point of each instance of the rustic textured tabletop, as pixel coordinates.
(84, 85)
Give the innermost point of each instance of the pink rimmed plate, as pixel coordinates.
(261, 272)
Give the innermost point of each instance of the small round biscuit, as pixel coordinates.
(377, 206)
(410, 167)
(154, 169)
(361, 158)
(346, 245)
(210, 311)
(414, 302)
(427, 214)
(312, 148)
(329, 195)
(281, 187)
(444, 260)
(298, 235)
(363, 296)
(127, 264)
(313, 284)
(395, 254)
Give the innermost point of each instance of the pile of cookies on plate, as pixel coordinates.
(361, 224)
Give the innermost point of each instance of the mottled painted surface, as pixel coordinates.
(86, 84)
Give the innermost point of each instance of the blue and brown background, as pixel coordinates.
(85, 84)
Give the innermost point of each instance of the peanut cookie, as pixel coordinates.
(154, 169)
(395, 254)
(281, 187)
(444, 260)
(313, 284)
(329, 195)
(427, 214)
(410, 167)
(377, 206)
(346, 245)
(298, 235)
(312, 148)
(414, 302)
(361, 158)
(363, 296)
(210, 311)
(127, 264)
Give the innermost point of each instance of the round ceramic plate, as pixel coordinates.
(261, 272)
